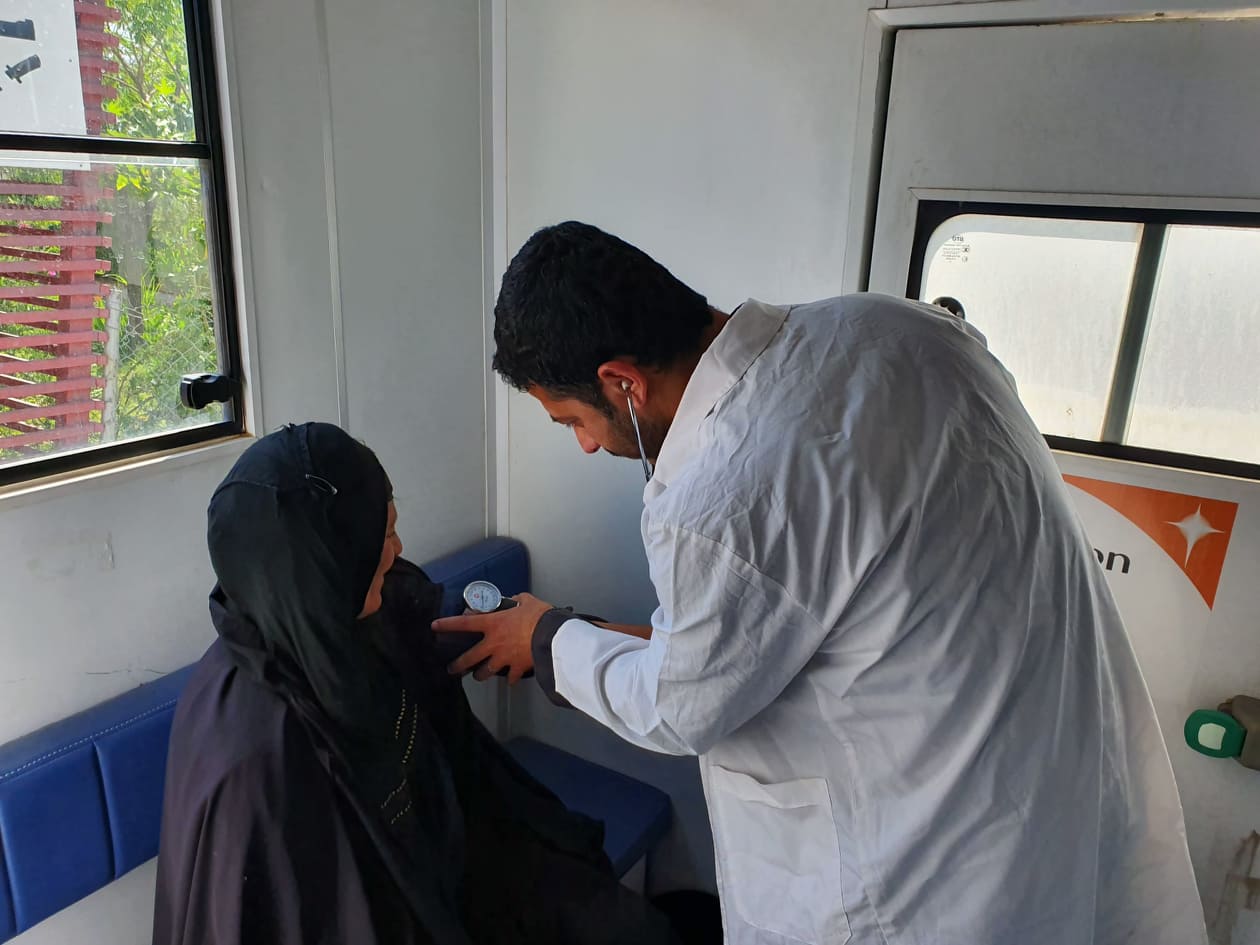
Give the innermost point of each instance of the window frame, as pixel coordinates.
(932, 214)
(208, 148)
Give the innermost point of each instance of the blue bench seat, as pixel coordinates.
(635, 815)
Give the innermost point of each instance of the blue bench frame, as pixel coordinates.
(81, 800)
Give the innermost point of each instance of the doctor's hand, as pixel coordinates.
(507, 639)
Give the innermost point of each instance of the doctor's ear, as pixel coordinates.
(620, 379)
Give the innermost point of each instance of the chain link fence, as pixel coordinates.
(137, 356)
(146, 353)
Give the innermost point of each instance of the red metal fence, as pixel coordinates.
(52, 297)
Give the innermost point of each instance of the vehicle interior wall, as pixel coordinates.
(1075, 119)
(732, 141)
(718, 136)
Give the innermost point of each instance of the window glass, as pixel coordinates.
(1198, 390)
(111, 202)
(105, 301)
(92, 68)
(1050, 296)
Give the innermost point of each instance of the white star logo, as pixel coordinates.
(1195, 528)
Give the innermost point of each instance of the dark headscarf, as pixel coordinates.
(295, 534)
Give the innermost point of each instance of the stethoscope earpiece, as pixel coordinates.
(634, 419)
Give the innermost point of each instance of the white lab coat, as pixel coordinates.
(882, 629)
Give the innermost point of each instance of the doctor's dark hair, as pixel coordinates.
(575, 297)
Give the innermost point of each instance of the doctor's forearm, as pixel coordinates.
(611, 676)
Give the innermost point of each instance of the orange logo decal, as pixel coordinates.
(1193, 531)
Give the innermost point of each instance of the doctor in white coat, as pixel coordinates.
(881, 628)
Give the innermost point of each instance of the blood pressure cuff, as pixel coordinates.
(545, 631)
(451, 646)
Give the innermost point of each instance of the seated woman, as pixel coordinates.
(327, 782)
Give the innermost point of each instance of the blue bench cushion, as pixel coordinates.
(8, 925)
(635, 815)
(502, 561)
(81, 801)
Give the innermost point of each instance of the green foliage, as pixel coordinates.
(154, 97)
(159, 265)
(159, 253)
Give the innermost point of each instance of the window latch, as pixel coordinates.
(198, 391)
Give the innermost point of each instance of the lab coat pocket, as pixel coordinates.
(779, 856)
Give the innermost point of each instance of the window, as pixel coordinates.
(115, 276)
(1131, 334)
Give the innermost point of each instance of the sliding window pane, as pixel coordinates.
(1198, 388)
(106, 300)
(1050, 297)
(88, 67)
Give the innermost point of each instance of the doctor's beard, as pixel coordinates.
(621, 439)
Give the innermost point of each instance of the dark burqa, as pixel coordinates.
(327, 780)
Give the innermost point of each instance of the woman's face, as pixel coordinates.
(389, 551)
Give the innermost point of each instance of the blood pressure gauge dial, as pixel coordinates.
(483, 597)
